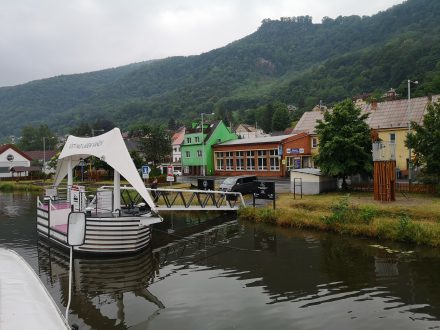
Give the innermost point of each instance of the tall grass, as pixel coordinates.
(10, 186)
(343, 216)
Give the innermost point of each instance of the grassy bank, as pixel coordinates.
(9, 186)
(415, 219)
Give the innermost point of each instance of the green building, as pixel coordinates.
(196, 148)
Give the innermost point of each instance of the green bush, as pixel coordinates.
(341, 212)
(367, 213)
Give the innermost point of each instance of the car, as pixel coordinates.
(245, 184)
(177, 173)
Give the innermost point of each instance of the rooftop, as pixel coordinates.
(258, 140)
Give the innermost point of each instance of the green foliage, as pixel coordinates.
(290, 60)
(154, 142)
(281, 118)
(344, 142)
(425, 142)
(341, 212)
(367, 214)
(37, 138)
(407, 230)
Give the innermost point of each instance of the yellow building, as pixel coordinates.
(389, 119)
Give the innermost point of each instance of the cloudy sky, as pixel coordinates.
(44, 38)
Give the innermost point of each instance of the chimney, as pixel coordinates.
(429, 98)
(374, 105)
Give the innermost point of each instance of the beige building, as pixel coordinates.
(245, 131)
(388, 119)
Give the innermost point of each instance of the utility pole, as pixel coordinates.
(409, 126)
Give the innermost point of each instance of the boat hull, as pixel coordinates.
(122, 235)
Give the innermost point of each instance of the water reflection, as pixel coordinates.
(101, 287)
(206, 272)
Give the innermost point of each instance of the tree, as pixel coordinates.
(264, 117)
(344, 142)
(425, 141)
(154, 142)
(37, 138)
(280, 118)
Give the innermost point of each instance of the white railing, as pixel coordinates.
(187, 199)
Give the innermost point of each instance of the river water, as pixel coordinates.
(208, 271)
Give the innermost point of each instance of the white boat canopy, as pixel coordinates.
(110, 148)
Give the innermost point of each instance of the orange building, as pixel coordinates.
(271, 156)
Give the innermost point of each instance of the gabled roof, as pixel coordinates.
(394, 114)
(308, 122)
(246, 128)
(208, 128)
(5, 147)
(41, 154)
(178, 137)
(382, 115)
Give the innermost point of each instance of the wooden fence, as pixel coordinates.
(400, 187)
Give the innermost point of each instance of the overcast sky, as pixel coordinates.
(45, 38)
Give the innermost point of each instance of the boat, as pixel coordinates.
(25, 302)
(112, 227)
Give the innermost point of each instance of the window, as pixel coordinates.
(274, 160)
(188, 140)
(188, 154)
(262, 162)
(197, 139)
(199, 153)
(393, 137)
(314, 142)
(229, 161)
(239, 160)
(250, 161)
(219, 163)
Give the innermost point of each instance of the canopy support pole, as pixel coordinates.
(69, 178)
(116, 191)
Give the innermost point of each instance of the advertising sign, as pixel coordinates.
(265, 190)
(205, 184)
(146, 171)
(170, 175)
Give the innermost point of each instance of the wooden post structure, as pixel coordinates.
(384, 171)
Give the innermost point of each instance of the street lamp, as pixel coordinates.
(203, 145)
(82, 163)
(409, 125)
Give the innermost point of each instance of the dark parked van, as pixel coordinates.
(245, 184)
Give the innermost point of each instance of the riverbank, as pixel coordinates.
(412, 219)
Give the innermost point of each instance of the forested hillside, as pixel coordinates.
(290, 60)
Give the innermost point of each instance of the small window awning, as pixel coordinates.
(18, 169)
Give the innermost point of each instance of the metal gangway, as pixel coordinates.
(167, 199)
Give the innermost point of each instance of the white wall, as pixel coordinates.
(19, 160)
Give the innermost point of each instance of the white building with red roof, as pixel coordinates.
(13, 160)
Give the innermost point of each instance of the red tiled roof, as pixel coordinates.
(5, 147)
(41, 154)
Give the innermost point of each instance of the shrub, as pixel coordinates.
(341, 212)
(367, 213)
